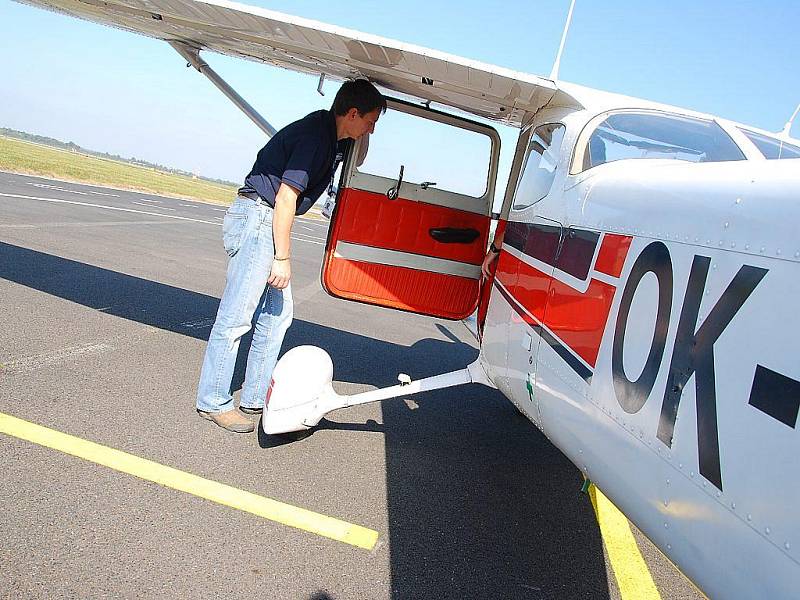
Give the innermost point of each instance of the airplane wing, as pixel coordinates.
(312, 47)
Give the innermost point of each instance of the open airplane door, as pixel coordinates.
(411, 224)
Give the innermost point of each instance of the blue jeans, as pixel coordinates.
(246, 302)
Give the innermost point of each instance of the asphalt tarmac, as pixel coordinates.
(107, 301)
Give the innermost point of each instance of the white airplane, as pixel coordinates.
(641, 312)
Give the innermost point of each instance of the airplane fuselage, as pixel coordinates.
(642, 316)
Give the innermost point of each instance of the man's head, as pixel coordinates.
(357, 107)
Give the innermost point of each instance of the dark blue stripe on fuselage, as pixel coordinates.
(573, 254)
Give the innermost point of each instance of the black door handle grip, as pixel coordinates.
(453, 235)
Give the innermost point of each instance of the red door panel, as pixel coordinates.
(416, 281)
(433, 294)
(374, 220)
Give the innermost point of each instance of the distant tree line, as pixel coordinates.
(72, 146)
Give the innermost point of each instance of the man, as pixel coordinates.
(289, 174)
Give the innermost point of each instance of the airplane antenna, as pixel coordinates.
(788, 127)
(557, 64)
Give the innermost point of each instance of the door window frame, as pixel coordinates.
(353, 178)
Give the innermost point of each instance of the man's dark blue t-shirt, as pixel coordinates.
(301, 155)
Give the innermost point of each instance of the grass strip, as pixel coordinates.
(35, 159)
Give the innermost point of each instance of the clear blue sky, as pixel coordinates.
(113, 91)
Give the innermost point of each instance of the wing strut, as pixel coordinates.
(192, 56)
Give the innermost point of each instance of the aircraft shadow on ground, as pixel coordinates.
(480, 504)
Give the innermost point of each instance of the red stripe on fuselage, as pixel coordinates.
(577, 318)
(612, 254)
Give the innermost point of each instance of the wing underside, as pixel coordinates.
(311, 47)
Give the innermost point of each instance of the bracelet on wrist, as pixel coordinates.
(284, 258)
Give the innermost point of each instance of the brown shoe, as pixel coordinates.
(232, 420)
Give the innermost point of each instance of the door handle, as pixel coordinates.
(453, 235)
(394, 192)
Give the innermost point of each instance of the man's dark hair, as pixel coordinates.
(359, 94)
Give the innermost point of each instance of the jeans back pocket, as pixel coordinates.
(233, 227)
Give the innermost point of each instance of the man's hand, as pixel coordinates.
(491, 256)
(280, 274)
(362, 149)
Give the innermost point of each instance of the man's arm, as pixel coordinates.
(362, 150)
(282, 219)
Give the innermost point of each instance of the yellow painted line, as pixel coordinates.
(633, 576)
(191, 484)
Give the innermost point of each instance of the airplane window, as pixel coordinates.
(647, 135)
(770, 147)
(444, 156)
(540, 165)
